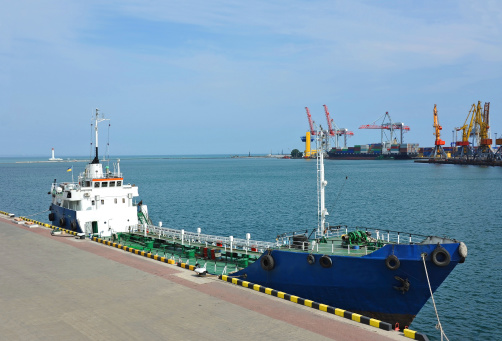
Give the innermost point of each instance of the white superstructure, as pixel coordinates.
(99, 203)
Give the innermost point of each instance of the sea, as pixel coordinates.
(232, 196)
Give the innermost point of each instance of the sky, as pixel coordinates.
(234, 77)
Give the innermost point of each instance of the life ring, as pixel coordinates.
(73, 225)
(267, 262)
(325, 261)
(440, 256)
(392, 262)
(62, 221)
(51, 216)
(311, 259)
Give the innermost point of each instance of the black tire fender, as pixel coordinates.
(392, 262)
(441, 257)
(62, 222)
(311, 259)
(51, 216)
(73, 225)
(267, 262)
(325, 261)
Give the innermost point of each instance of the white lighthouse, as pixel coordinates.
(53, 158)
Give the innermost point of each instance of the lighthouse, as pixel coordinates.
(53, 158)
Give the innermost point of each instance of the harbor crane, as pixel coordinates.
(476, 126)
(335, 131)
(484, 150)
(438, 149)
(311, 123)
(391, 126)
(309, 136)
(466, 149)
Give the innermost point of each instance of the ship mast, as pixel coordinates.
(322, 212)
(98, 120)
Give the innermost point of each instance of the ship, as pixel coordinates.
(379, 273)
(386, 150)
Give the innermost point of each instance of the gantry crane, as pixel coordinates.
(438, 149)
(335, 131)
(391, 126)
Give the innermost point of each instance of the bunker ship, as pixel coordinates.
(382, 274)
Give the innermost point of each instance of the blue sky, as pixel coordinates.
(232, 77)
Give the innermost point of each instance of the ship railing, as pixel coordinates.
(188, 238)
(384, 236)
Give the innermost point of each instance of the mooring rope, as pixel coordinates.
(36, 213)
(438, 326)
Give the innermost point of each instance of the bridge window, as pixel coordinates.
(112, 183)
(104, 184)
(119, 183)
(96, 185)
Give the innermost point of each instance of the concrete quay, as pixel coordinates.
(63, 288)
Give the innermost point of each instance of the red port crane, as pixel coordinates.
(387, 126)
(339, 131)
(312, 130)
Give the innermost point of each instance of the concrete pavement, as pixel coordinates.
(62, 288)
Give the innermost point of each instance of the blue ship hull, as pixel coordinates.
(363, 285)
(64, 218)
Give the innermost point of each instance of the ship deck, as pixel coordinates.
(218, 256)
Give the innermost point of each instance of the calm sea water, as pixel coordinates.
(265, 197)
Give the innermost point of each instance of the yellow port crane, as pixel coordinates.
(465, 146)
(438, 149)
(483, 123)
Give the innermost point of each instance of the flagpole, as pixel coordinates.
(72, 173)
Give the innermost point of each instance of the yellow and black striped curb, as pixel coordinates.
(323, 307)
(143, 253)
(414, 335)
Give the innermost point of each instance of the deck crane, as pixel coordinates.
(438, 149)
(336, 132)
(391, 126)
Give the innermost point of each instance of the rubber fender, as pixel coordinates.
(267, 262)
(325, 261)
(311, 259)
(73, 225)
(392, 262)
(462, 250)
(440, 256)
(62, 221)
(51, 216)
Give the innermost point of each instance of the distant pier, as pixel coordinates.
(476, 162)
